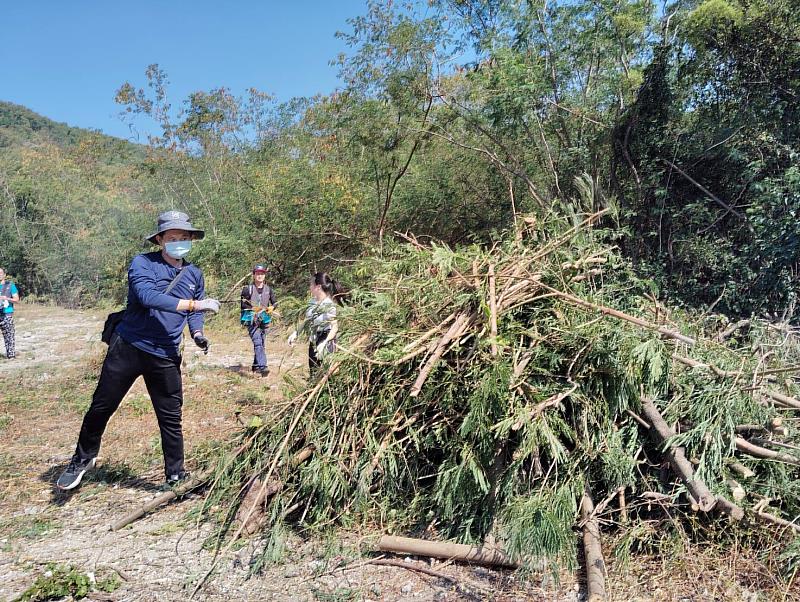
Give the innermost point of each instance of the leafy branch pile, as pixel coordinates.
(483, 393)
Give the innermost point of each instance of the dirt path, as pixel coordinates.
(47, 338)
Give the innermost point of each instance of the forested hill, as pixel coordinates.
(684, 123)
(19, 125)
(68, 195)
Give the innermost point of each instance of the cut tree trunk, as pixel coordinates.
(436, 549)
(593, 553)
(702, 497)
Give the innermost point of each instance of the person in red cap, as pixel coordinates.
(257, 303)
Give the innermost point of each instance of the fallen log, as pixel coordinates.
(677, 458)
(251, 512)
(437, 549)
(593, 552)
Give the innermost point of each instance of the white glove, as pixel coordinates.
(292, 338)
(320, 351)
(211, 305)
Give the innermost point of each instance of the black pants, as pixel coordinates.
(124, 363)
(313, 361)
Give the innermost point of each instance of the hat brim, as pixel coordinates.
(197, 233)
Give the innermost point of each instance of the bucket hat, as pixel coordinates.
(175, 220)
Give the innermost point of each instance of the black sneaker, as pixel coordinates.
(72, 476)
(174, 480)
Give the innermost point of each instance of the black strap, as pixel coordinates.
(175, 280)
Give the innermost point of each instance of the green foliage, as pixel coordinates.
(502, 438)
(713, 20)
(718, 104)
(59, 581)
(540, 525)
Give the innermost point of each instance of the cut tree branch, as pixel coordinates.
(436, 549)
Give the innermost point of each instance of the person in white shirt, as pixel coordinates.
(320, 319)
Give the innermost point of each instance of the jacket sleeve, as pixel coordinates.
(272, 299)
(196, 319)
(143, 285)
(244, 302)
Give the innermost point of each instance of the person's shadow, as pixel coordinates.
(107, 473)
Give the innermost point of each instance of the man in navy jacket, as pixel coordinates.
(147, 343)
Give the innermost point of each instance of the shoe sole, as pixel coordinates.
(77, 481)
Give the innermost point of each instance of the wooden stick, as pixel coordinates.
(567, 236)
(160, 500)
(765, 442)
(436, 549)
(643, 423)
(413, 566)
(553, 400)
(692, 363)
(492, 310)
(593, 552)
(164, 498)
(711, 195)
(425, 336)
(455, 331)
(761, 452)
(790, 402)
(608, 311)
(774, 395)
(677, 458)
(773, 371)
(731, 329)
(741, 470)
(234, 287)
(623, 507)
(777, 520)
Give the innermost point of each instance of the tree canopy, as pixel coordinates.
(453, 120)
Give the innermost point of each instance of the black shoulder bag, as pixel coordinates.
(114, 318)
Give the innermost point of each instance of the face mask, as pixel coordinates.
(178, 249)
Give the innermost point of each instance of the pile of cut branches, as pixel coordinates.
(517, 392)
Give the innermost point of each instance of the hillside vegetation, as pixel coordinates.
(684, 122)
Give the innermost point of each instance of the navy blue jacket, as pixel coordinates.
(151, 322)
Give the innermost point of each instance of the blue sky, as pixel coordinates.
(66, 58)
